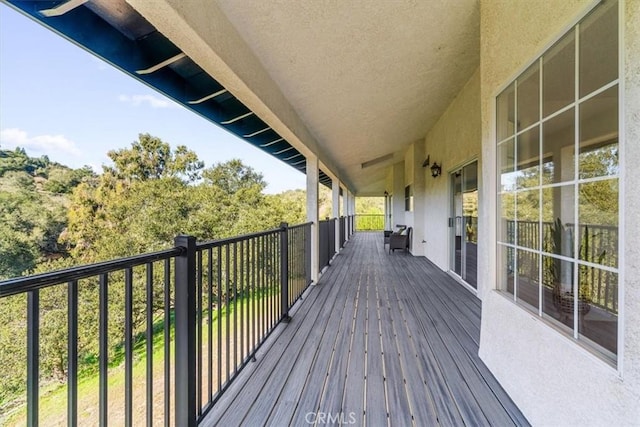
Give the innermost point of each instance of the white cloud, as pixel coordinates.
(152, 101)
(50, 145)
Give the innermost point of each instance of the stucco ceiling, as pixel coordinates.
(367, 78)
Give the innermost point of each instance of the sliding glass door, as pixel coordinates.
(463, 223)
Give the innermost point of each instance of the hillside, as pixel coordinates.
(34, 195)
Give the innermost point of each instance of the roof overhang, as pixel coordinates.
(354, 83)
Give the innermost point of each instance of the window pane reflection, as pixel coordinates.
(528, 280)
(506, 227)
(599, 48)
(558, 301)
(599, 135)
(528, 214)
(506, 268)
(558, 75)
(598, 217)
(598, 310)
(558, 150)
(529, 97)
(505, 113)
(528, 159)
(506, 159)
(557, 219)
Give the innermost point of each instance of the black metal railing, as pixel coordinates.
(136, 280)
(211, 315)
(327, 242)
(343, 231)
(369, 222)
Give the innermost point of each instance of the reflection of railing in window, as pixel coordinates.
(598, 245)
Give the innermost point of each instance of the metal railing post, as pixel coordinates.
(185, 334)
(284, 270)
(33, 357)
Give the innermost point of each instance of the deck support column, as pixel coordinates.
(352, 213)
(347, 214)
(312, 214)
(419, 199)
(398, 194)
(335, 204)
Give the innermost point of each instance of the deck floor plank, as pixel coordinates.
(353, 401)
(383, 339)
(309, 400)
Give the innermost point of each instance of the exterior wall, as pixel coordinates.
(630, 203)
(453, 140)
(551, 378)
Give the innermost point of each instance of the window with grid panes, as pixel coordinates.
(557, 168)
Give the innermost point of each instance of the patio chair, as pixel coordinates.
(388, 233)
(400, 240)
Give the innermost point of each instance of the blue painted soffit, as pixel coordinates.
(115, 32)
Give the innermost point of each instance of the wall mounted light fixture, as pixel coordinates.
(436, 170)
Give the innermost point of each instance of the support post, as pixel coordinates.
(185, 324)
(312, 214)
(335, 204)
(284, 271)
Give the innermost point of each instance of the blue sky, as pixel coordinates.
(57, 99)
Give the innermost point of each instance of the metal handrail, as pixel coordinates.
(18, 285)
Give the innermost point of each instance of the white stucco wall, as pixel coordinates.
(453, 140)
(552, 379)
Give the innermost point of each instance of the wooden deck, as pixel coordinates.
(381, 340)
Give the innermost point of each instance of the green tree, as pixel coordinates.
(151, 158)
(233, 176)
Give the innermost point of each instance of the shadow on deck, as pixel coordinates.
(381, 340)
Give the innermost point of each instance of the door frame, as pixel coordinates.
(452, 216)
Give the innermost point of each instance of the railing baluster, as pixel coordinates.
(128, 347)
(242, 300)
(219, 262)
(167, 342)
(263, 286)
(253, 297)
(210, 318)
(185, 361)
(72, 355)
(104, 348)
(149, 342)
(199, 331)
(269, 281)
(33, 357)
(227, 283)
(235, 308)
(284, 273)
